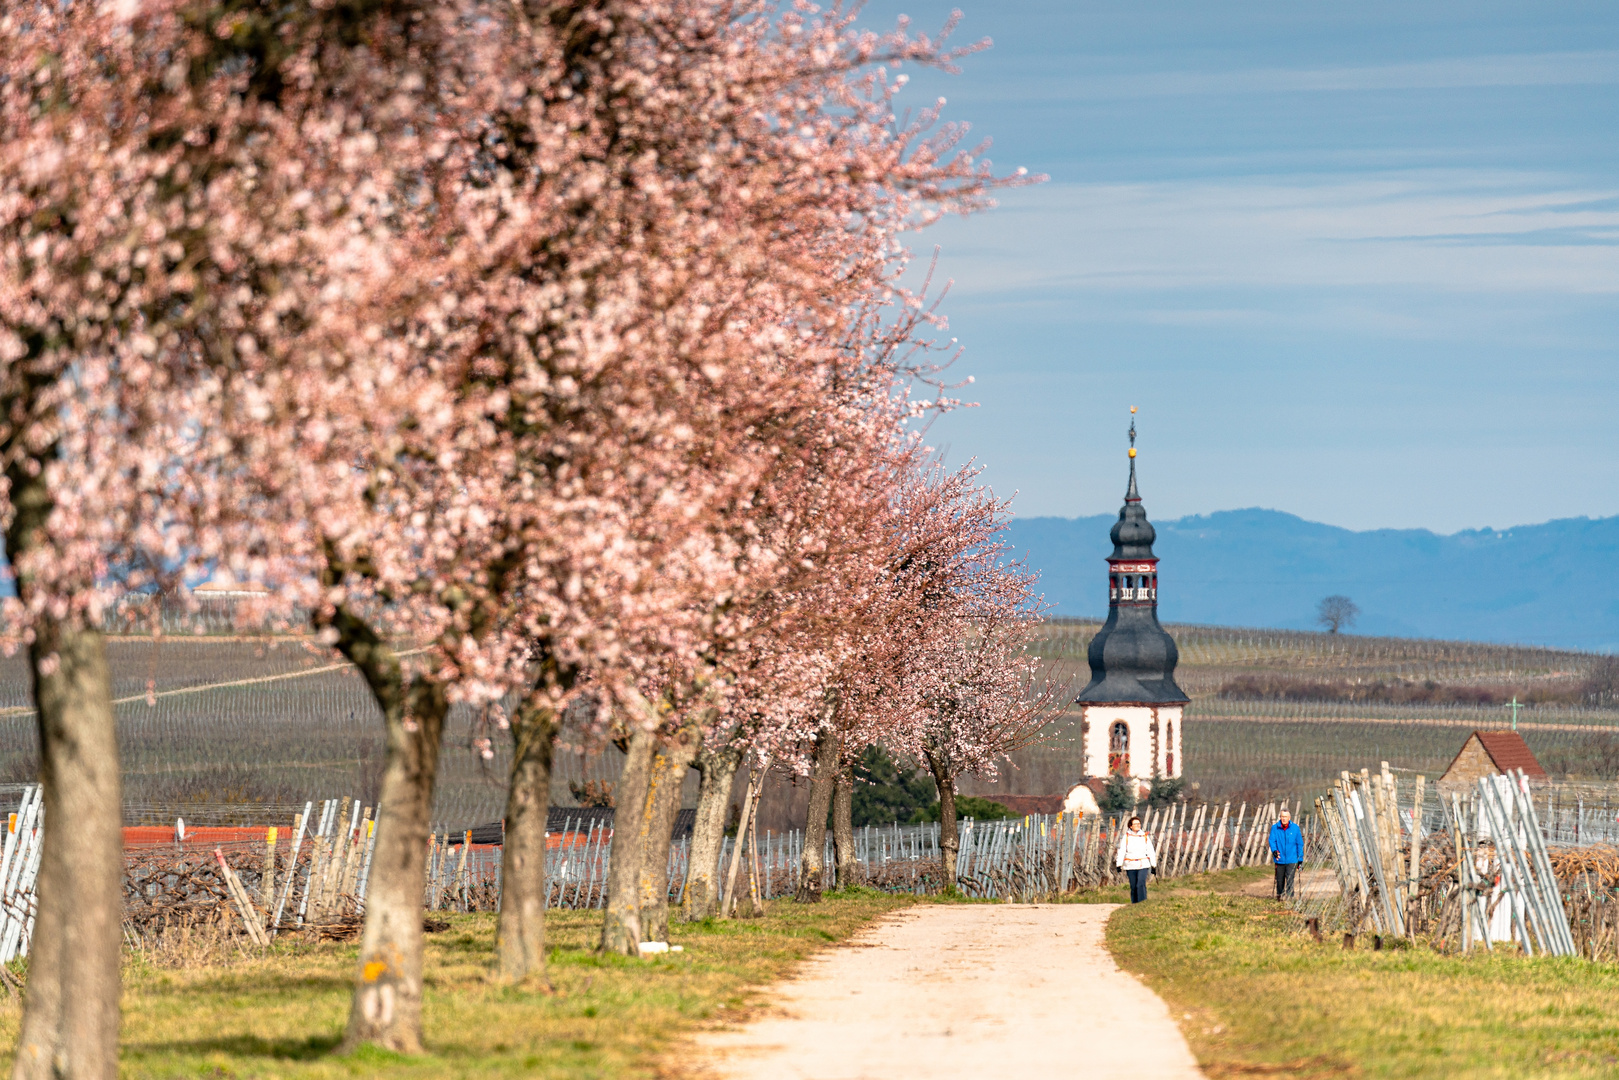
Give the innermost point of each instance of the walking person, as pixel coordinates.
(1286, 851)
(1137, 858)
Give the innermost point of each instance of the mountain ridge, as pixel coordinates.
(1552, 583)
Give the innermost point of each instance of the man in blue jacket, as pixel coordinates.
(1286, 851)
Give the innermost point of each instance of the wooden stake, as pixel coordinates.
(736, 852)
(1416, 854)
(238, 895)
(267, 875)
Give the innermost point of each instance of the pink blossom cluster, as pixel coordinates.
(565, 343)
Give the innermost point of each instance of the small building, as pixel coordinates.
(1490, 753)
(1132, 707)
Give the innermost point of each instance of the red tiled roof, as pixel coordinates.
(1029, 804)
(1508, 750)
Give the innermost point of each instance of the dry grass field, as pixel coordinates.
(1257, 997)
(201, 1012)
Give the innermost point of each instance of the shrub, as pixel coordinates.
(885, 791)
(1118, 796)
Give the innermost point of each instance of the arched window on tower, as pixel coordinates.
(1169, 744)
(1118, 748)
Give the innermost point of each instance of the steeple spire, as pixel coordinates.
(1132, 658)
(1132, 495)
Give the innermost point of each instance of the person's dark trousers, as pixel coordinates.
(1284, 879)
(1138, 884)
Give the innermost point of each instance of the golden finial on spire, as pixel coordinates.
(1132, 431)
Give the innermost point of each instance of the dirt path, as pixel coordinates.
(979, 991)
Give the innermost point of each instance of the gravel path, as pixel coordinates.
(973, 990)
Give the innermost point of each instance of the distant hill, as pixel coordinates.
(1551, 584)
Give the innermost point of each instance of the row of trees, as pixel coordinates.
(548, 352)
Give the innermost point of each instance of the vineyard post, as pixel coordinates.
(1389, 814)
(267, 875)
(1205, 838)
(1416, 852)
(357, 855)
(1348, 812)
(1187, 841)
(1256, 835)
(1236, 838)
(753, 867)
(1338, 869)
(1217, 846)
(370, 846)
(1170, 839)
(1464, 874)
(310, 879)
(1181, 837)
(1254, 826)
(332, 879)
(353, 841)
(1194, 850)
(463, 872)
(299, 822)
(1513, 875)
(432, 862)
(1375, 844)
(239, 897)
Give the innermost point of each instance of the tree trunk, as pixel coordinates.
(843, 829)
(718, 768)
(949, 835)
(520, 927)
(621, 922)
(387, 1007)
(70, 1016)
(820, 800)
(670, 760)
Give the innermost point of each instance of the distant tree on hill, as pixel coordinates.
(1336, 613)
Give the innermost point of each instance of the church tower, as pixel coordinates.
(1132, 708)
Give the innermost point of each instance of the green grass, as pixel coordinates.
(281, 1015)
(1256, 996)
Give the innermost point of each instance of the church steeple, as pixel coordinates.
(1133, 658)
(1131, 495)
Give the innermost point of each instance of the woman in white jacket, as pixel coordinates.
(1137, 858)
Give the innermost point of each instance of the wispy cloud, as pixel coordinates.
(1073, 79)
(1444, 232)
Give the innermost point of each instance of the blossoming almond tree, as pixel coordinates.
(497, 301)
(691, 201)
(110, 127)
(980, 685)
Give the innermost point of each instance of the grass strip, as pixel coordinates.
(1255, 996)
(282, 1014)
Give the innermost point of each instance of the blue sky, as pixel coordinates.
(1355, 262)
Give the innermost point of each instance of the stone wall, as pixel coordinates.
(1472, 763)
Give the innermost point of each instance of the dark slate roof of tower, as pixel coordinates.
(1132, 657)
(1133, 534)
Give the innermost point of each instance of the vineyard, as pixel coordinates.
(228, 729)
(1247, 748)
